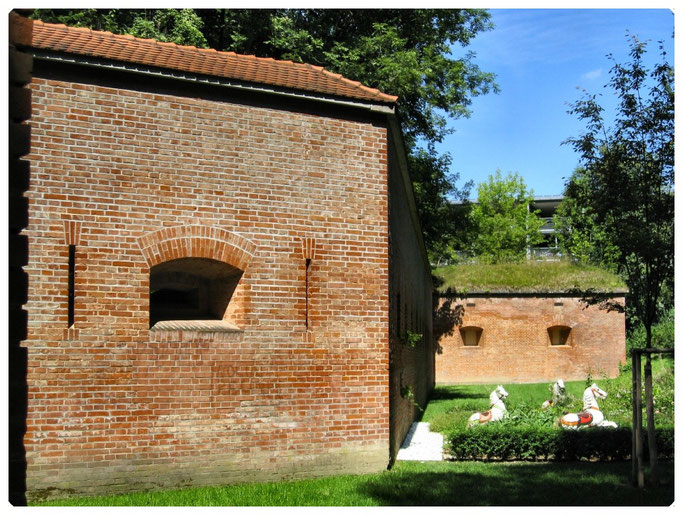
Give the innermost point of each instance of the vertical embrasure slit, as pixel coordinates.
(308, 265)
(72, 282)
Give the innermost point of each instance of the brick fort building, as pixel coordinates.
(224, 261)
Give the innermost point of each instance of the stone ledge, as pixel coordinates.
(199, 326)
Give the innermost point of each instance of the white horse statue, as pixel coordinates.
(558, 395)
(495, 413)
(591, 414)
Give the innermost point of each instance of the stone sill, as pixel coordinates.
(198, 326)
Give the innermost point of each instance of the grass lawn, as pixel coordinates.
(451, 405)
(428, 484)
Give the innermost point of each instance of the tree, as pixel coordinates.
(504, 224)
(579, 234)
(404, 52)
(629, 174)
(180, 26)
(431, 179)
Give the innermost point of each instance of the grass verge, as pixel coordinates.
(428, 484)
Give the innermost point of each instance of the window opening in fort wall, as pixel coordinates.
(471, 336)
(191, 289)
(560, 335)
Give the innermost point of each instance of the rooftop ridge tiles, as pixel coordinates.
(286, 73)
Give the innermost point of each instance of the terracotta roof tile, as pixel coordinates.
(229, 65)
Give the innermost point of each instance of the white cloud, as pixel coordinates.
(592, 75)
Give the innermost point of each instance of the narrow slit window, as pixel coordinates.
(308, 266)
(72, 285)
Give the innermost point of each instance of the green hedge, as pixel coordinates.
(506, 442)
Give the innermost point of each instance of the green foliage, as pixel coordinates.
(627, 185)
(179, 26)
(529, 429)
(663, 334)
(294, 43)
(618, 405)
(401, 52)
(412, 339)
(577, 229)
(510, 442)
(445, 224)
(408, 394)
(663, 394)
(504, 226)
(117, 21)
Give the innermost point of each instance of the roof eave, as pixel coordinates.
(141, 69)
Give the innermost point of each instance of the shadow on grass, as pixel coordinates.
(441, 393)
(518, 484)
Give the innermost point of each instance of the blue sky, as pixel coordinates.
(541, 57)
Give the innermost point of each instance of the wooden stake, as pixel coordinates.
(638, 476)
(649, 406)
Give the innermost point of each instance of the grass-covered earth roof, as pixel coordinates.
(526, 277)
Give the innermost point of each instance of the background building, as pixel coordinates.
(547, 205)
(528, 322)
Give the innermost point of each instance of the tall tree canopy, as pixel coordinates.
(504, 224)
(628, 182)
(404, 52)
(579, 233)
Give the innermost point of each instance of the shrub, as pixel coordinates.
(618, 405)
(502, 441)
(529, 432)
(663, 390)
(665, 442)
(663, 334)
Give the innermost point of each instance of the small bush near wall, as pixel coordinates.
(507, 442)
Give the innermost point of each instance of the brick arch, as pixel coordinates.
(202, 241)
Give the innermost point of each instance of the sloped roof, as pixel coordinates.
(209, 62)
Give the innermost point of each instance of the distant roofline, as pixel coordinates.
(537, 198)
(548, 197)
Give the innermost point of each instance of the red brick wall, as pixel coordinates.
(133, 178)
(515, 347)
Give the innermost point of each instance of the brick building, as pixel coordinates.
(526, 337)
(224, 261)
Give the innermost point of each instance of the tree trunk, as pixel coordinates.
(648, 335)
